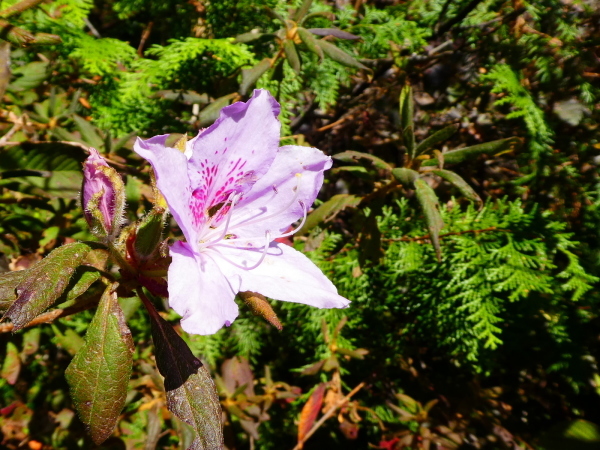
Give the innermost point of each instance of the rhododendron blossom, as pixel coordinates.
(233, 192)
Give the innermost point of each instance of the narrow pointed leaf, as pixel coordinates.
(248, 37)
(406, 107)
(211, 113)
(405, 176)
(333, 32)
(436, 138)
(354, 156)
(45, 282)
(492, 148)
(251, 76)
(303, 10)
(89, 133)
(311, 42)
(310, 411)
(339, 55)
(406, 119)
(191, 392)
(328, 211)
(99, 374)
(291, 55)
(431, 208)
(460, 183)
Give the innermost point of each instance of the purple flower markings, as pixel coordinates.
(233, 192)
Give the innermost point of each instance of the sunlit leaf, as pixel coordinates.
(8, 287)
(44, 283)
(310, 411)
(99, 374)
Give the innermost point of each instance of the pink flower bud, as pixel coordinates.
(102, 197)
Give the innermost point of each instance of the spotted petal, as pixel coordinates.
(233, 153)
(282, 195)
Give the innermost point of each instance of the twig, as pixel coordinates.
(328, 414)
(144, 38)
(51, 316)
(454, 233)
(331, 125)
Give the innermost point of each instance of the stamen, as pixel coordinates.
(234, 199)
(289, 233)
(261, 259)
(275, 214)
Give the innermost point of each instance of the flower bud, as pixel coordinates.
(102, 197)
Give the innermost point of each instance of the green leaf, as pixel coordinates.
(149, 232)
(406, 119)
(339, 55)
(191, 392)
(336, 32)
(251, 76)
(99, 374)
(211, 113)
(431, 208)
(248, 37)
(61, 184)
(46, 156)
(44, 283)
(328, 211)
(460, 183)
(11, 366)
(291, 54)
(30, 76)
(436, 138)
(578, 434)
(303, 10)
(353, 156)
(405, 176)
(492, 148)
(89, 133)
(69, 340)
(311, 42)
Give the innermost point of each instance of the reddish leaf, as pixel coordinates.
(310, 411)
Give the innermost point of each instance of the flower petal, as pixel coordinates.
(283, 194)
(285, 274)
(199, 292)
(170, 167)
(234, 152)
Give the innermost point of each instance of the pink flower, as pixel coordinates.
(233, 193)
(102, 196)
